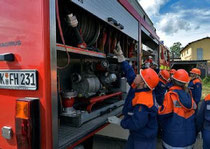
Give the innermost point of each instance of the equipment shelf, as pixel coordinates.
(72, 136)
(61, 47)
(75, 50)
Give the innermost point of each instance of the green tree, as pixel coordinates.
(175, 49)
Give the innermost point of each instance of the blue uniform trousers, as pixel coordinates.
(206, 139)
(137, 143)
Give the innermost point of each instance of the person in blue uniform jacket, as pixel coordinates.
(195, 84)
(140, 110)
(177, 115)
(203, 121)
(161, 88)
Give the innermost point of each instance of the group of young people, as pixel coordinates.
(167, 103)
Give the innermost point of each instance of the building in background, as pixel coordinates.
(197, 50)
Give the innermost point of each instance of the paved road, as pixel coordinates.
(101, 142)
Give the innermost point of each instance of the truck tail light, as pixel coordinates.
(27, 121)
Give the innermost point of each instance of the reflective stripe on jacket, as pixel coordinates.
(171, 147)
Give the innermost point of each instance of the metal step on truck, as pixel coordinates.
(58, 83)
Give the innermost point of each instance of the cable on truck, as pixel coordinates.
(62, 38)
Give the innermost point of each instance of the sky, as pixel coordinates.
(179, 20)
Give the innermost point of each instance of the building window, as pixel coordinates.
(187, 51)
(199, 53)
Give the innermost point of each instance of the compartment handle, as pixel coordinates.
(7, 57)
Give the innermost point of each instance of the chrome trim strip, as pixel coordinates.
(139, 51)
(53, 65)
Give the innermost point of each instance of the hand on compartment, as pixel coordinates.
(118, 52)
(73, 22)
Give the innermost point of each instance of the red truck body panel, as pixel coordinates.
(24, 31)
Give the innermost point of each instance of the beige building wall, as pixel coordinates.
(186, 54)
(190, 51)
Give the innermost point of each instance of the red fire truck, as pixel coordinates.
(58, 83)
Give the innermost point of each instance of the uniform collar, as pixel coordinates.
(176, 88)
(195, 78)
(207, 98)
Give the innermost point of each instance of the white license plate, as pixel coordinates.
(18, 79)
